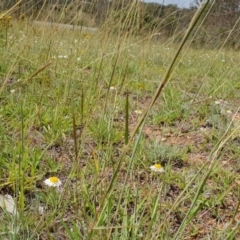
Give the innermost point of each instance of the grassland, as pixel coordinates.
(69, 102)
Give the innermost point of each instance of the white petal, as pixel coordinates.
(7, 203)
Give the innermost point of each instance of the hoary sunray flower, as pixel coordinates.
(138, 111)
(157, 168)
(63, 56)
(53, 182)
(113, 88)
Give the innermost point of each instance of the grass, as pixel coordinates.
(60, 117)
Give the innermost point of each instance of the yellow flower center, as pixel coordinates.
(54, 179)
(158, 166)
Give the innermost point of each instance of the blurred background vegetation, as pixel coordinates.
(219, 28)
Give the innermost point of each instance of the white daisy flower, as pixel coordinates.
(63, 56)
(113, 88)
(53, 182)
(157, 168)
(138, 111)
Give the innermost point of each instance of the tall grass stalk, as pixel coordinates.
(119, 51)
(12, 9)
(75, 135)
(168, 73)
(126, 119)
(163, 83)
